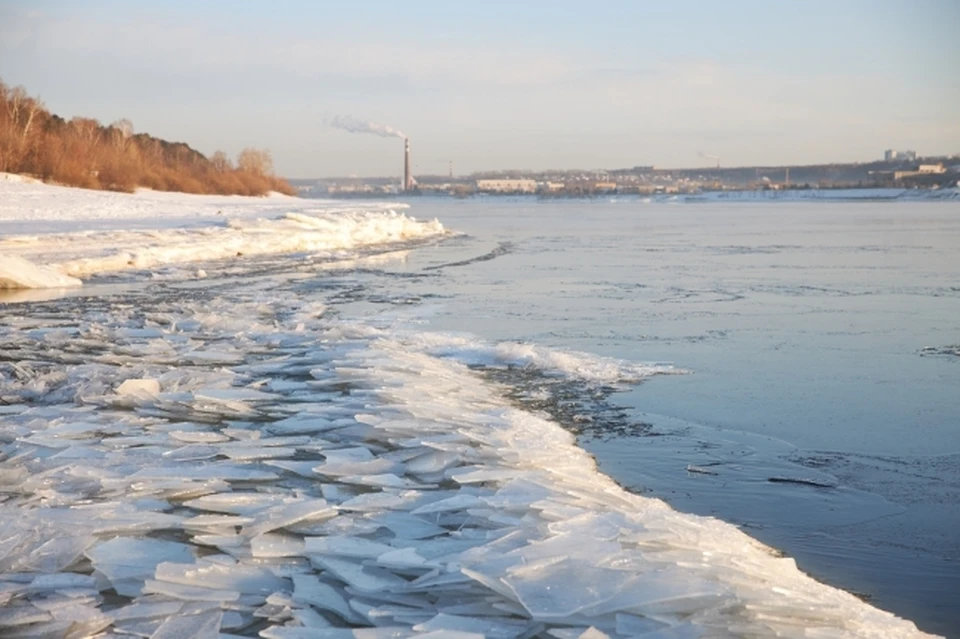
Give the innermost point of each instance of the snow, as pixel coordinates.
(16, 272)
(148, 230)
(250, 464)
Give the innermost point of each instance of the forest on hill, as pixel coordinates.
(82, 152)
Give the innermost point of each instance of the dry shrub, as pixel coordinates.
(84, 153)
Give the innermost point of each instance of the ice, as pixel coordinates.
(368, 467)
(367, 579)
(458, 502)
(58, 554)
(147, 389)
(489, 627)
(690, 631)
(194, 472)
(198, 437)
(281, 516)
(222, 576)
(188, 593)
(22, 616)
(204, 625)
(432, 462)
(633, 625)
(376, 502)
(408, 526)
(310, 590)
(146, 610)
(348, 455)
(345, 547)
(233, 459)
(384, 480)
(216, 522)
(402, 558)
(62, 581)
(16, 272)
(273, 545)
(179, 241)
(236, 503)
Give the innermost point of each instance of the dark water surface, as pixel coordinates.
(823, 409)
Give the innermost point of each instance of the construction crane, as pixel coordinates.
(710, 157)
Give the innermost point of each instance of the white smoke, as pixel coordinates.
(354, 125)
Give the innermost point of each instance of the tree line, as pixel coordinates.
(82, 152)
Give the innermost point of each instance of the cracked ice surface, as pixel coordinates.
(178, 472)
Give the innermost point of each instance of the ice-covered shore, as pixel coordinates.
(53, 236)
(248, 464)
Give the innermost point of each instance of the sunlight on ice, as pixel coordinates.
(255, 467)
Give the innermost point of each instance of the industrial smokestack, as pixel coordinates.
(407, 177)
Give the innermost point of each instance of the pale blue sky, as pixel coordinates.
(498, 85)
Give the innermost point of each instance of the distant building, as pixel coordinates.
(605, 186)
(923, 169)
(507, 186)
(891, 155)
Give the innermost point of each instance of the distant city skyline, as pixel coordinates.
(499, 85)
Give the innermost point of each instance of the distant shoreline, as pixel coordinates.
(834, 193)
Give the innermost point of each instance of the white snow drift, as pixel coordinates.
(114, 232)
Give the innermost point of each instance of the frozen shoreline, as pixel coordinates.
(151, 230)
(247, 463)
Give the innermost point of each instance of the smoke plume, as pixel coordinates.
(353, 125)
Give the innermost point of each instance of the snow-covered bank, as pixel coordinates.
(111, 232)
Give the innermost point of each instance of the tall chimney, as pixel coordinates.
(407, 178)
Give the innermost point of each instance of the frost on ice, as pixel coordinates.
(150, 494)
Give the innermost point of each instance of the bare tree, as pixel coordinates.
(221, 162)
(255, 161)
(120, 132)
(87, 129)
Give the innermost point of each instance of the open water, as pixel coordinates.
(822, 341)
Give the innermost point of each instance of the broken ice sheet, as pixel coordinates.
(146, 609)
(539, 588)
(128, 562)
(309, 589)
(225, 471)
(198, 436)
(342, 546)
(225, 575)
(366, 579)
(140, 389)
(277, 517)
(188, 593)
(204, 625)
(490, 627)
(460, 501)
(407, 526)
(276, 545)
(237, 503)
(58, 553)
